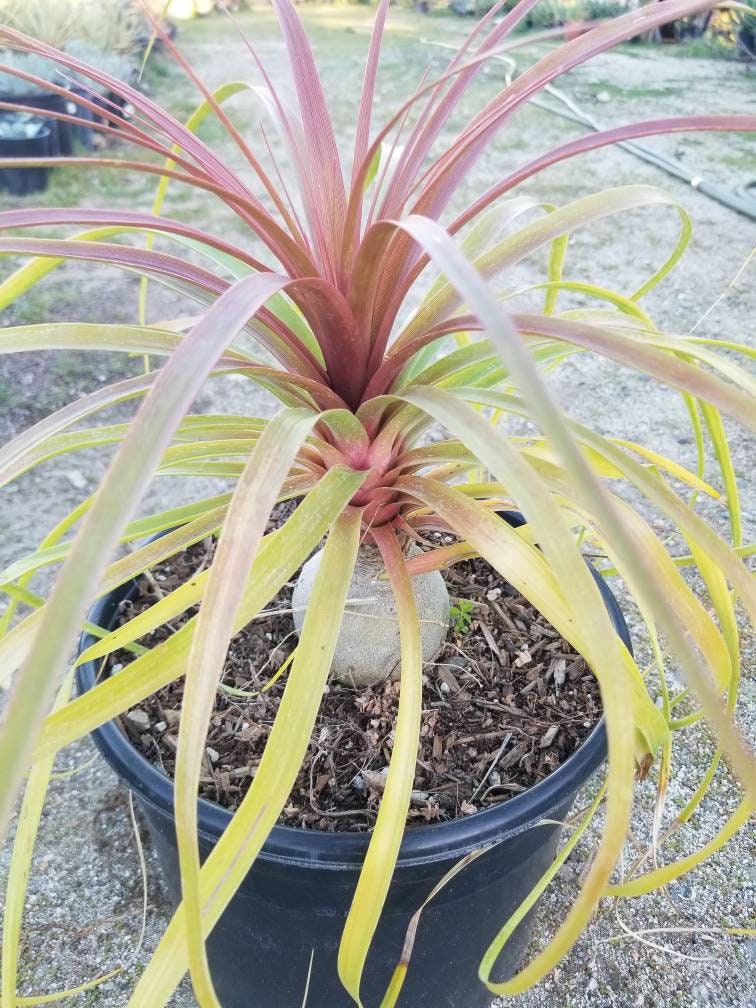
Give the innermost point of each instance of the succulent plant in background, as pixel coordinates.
(113, 26)
(27, 82)
(51, 21)
(15, 86)
(322, 288)
(119, 64)
(104, 33)
(21, 126)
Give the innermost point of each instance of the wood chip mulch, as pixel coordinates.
(504, 704)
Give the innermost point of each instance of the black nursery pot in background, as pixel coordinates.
(81, 133)
(23, 181)
(60, 143)
(295, 899)
(112, 111)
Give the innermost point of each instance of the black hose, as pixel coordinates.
(740, 200)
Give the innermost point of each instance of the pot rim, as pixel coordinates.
(43, 134)
(420, 844)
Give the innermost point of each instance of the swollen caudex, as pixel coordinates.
(368, 648)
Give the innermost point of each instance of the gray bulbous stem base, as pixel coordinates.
(368, 649)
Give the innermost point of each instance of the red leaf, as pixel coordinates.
(324, 163)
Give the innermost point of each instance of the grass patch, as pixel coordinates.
(699, 48)
(638, 92)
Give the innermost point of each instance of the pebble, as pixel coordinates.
(76, 479)
(459, 661)
(139, 719)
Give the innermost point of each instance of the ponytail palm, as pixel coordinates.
(322, 288)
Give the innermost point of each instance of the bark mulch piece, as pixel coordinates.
(504, 704)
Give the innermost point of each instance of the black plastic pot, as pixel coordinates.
(296, 897)
(22, 181)
(114, 109)
(82, 134)
(61, 133)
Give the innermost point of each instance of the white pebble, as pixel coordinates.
(139, 719)
(76, 479)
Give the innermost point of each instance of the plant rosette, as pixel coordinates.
(367, 386)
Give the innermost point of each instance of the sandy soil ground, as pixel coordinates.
(85, 900)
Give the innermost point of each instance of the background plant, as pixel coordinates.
(461, 614)
(106, 34)
(29, 63)
(549, 13)
(120, 64)
(51, 21)
(112, 26)
(361, 380)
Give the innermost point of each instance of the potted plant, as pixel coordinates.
(54, 22)
(345, 508)
(116, 63)
(110, 25)
(23, 135)
(18, 91)
(110, 37)
(105, 34)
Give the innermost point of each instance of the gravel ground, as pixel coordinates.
(85, 900)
